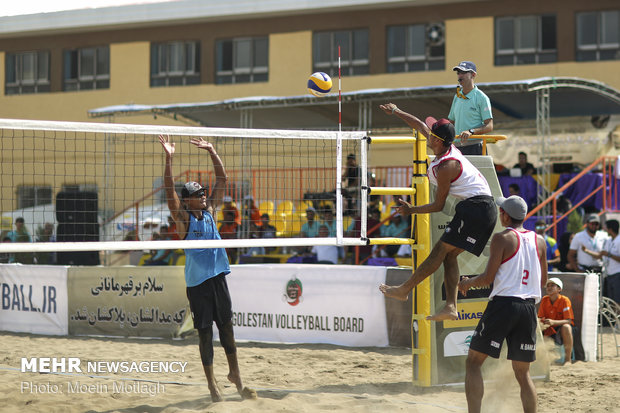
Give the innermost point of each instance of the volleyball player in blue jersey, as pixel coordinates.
(205, 269)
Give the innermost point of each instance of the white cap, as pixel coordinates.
(556, 281)
(226, 198)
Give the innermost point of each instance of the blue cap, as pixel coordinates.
(465, 66)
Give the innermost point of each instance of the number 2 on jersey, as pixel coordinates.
(526, 275)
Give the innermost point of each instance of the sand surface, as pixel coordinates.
(288, 378)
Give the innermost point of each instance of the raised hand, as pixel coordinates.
(167, 145)
(202, 144)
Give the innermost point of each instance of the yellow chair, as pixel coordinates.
(266, 207)
(301, 206)
(295, 222)
(285, 207)
(280, 222)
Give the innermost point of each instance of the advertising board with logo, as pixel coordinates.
(309, 304)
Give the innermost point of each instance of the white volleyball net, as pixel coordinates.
(98, 187)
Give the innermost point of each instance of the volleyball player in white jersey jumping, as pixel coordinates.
(517, 268)
(473, 223)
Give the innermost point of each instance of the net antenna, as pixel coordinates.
(339, 218)
(122, 164)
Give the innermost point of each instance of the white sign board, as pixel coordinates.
(33, 299)
(309, 303)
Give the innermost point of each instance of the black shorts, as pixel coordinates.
(209, 302)
(510, 318)
(472, 225)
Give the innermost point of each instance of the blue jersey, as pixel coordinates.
(202, 264)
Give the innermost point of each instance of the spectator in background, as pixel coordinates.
(327, 254)
(553, 253)
(229, 230)
(267, 231)
(563, 246)
(172, 229)
(310, 228)
(329, 221)
(230, 206)
(398, 228)
(611, 283)
(374, 201)
(351, 183)
(526, 167)
(355, 229)
(471, 111)
(46, 234)
(251, 211)
(255, 234)
(556, 317)
(514, 189)
(21, 234)
(590, 239)
(161, 257)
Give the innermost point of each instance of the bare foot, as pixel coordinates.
(248, 394)
(245, 392)
(397, 292)
(216, 396)
(446, 313)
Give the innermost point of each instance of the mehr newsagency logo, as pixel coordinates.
(293, 291)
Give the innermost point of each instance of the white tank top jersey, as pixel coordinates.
(519, 275)
(470, 181)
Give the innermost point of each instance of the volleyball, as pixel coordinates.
(319, 84)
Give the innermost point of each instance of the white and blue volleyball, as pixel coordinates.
(319, 84)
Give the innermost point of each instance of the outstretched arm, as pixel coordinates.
(215, 198)
(408, 118)
(174, 204)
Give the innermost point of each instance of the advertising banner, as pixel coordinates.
(312, 303)
(34, 299)
(127, 301)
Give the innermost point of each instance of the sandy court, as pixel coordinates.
(288, 378)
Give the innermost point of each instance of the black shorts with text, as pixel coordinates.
(472, 225)
(512, 319)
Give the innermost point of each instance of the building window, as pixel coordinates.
(79, 188)
(598, 35)
(417, 47)
(525, 40)
(175, 64)
(27, 72)
(242, 60)
(354, 52)
(33, 195)
(87, 68)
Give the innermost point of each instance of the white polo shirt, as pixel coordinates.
(594, 243)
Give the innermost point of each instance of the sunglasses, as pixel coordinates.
(438, 137)
(198, 194)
